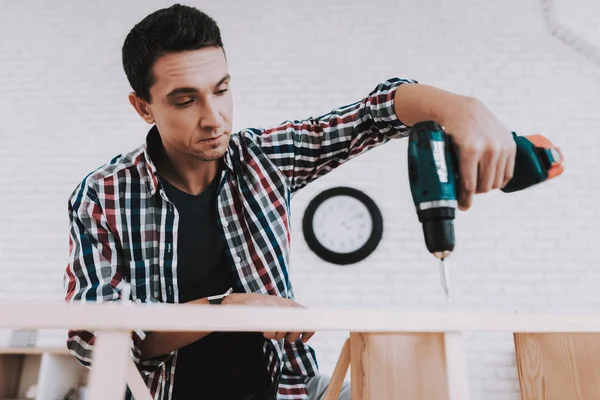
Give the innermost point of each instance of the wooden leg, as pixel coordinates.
(10, 374)
(558, 366)
(407, 366)
(339, 373)
(136, 384)
(109, 365)
(456, 365)
(58, 374)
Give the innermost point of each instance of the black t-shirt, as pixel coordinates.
(222, 365)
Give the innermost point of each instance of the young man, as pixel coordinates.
(199, 209)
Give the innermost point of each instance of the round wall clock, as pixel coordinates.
(342, 225)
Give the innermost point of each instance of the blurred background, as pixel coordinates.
(535, 63)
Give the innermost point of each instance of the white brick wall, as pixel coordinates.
(64, 111)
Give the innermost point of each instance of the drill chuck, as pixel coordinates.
(438, 229)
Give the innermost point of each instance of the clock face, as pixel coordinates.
(342, 224)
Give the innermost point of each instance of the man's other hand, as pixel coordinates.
(256, 299)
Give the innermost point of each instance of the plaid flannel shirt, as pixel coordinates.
(124, 228)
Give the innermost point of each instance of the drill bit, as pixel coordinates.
(445, 278)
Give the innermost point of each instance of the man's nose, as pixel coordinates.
(211, 118)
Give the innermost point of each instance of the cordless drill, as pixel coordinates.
(433, 177)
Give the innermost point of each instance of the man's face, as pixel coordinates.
(192, 104)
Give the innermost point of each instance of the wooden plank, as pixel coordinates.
(136, 383)
(558, 366)
(11, 366)
(456, 365)
(34, 350)
(109, 365)
(58, 374)
(30, 373)
(184, 317)
(407, 366)
(339, 373)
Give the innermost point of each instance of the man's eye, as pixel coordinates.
(184, 104)
(221, 91)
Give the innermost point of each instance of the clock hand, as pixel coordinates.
(354, 217)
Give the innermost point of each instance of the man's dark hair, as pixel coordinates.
(168, 30)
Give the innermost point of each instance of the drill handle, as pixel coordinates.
(537, 160)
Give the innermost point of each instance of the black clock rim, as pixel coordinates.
(343, 258)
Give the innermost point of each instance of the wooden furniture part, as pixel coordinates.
(409, 366)
(398, 366)
(339, 373)
(136, 384)
(558, 366)
(53, 371)
(456, 365)
(385, 344)
(195, 317)
(11, 367)
(109, 364)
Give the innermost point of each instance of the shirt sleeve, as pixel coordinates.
(95, 273)
(305, 150)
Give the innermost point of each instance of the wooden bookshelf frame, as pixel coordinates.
(380, 340)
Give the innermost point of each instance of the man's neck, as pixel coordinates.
(187, 173)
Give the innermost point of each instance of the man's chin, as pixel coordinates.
(211, 155)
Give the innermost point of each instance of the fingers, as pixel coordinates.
(506, 163)
(497, 170)
(306, 336)
(289, 336)
(488, 171)
(500, 171)
(468, 167)
(510, 164)
(485, 170)
(293, 336)
(276, 301)
(274, 335)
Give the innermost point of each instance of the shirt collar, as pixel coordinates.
(152, 148)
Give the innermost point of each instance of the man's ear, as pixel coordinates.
(141, 107)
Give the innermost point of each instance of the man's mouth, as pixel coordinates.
(212, 139)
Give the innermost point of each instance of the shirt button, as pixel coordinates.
(237, 259)
(225, 223)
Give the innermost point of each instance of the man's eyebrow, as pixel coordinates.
(182, 90)
(188, 90)
(223, 79)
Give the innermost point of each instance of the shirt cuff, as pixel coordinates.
(383, 109)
